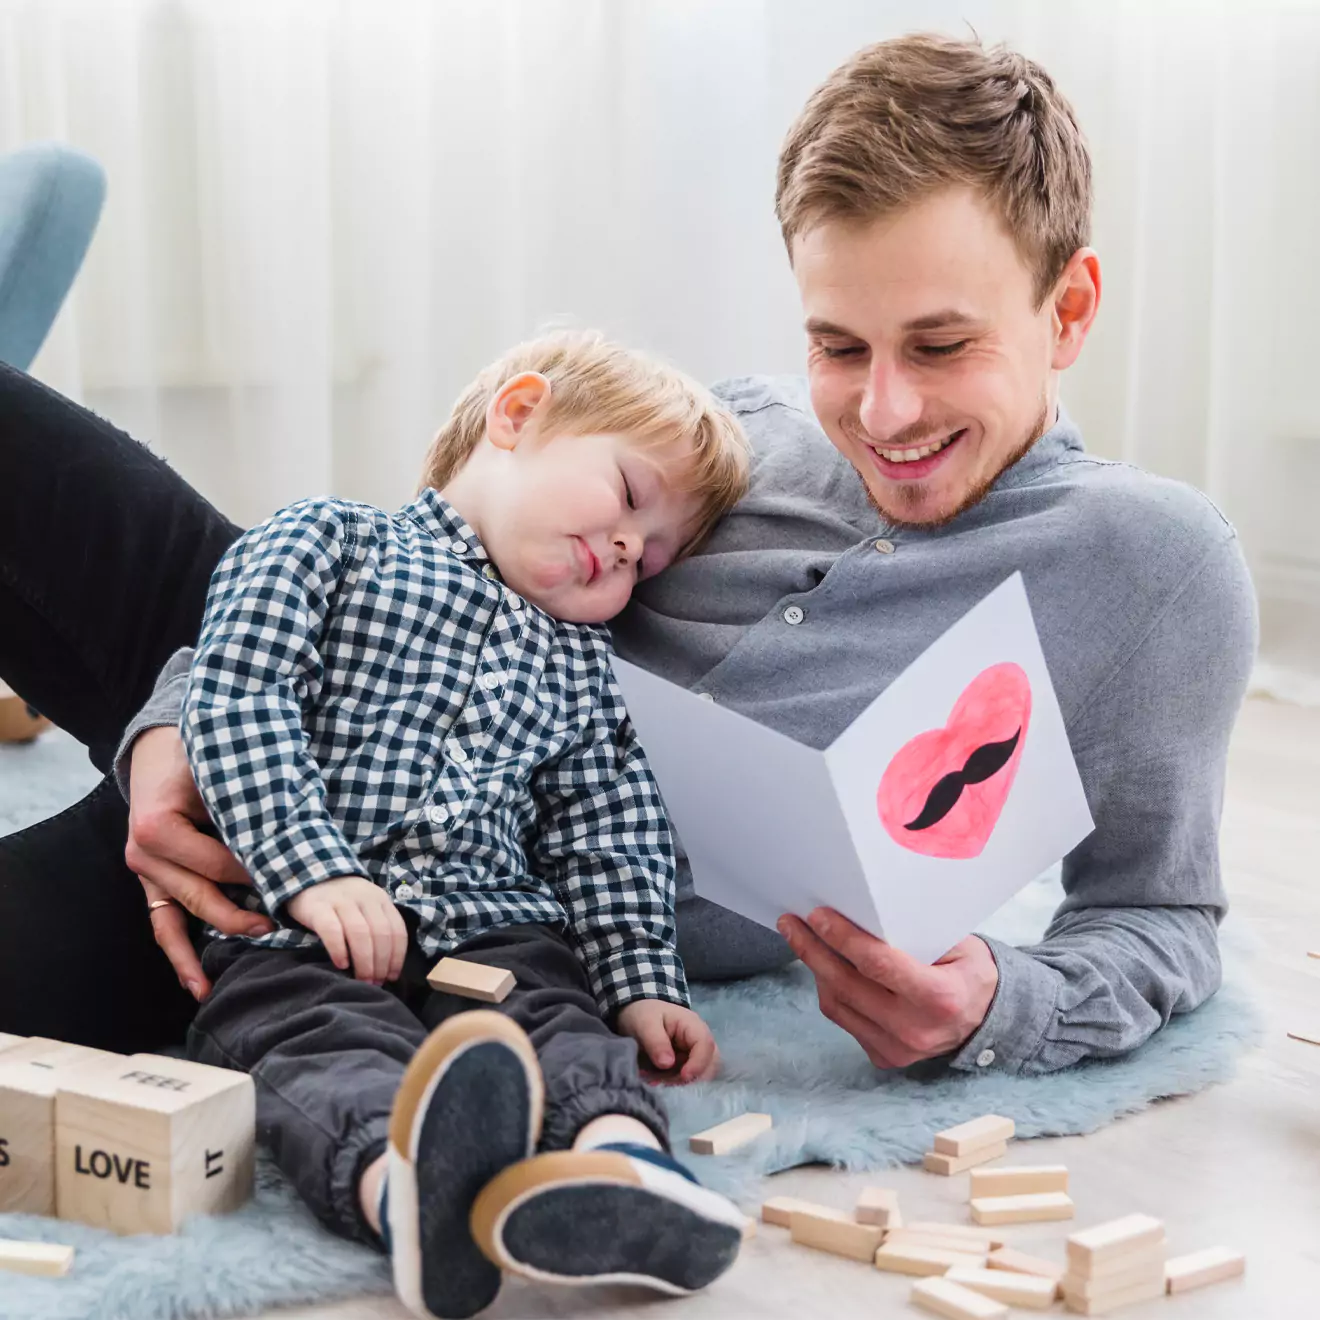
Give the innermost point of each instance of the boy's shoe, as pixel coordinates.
(469, 1105)
(617, 1214)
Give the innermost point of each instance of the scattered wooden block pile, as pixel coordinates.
(134, 1144)
(966, 1271)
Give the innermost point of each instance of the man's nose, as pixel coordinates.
(890, 402)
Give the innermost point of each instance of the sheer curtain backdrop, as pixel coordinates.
(323, 217)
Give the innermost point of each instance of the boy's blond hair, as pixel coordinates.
(597, 388)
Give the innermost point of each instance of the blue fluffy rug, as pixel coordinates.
(780, 1056)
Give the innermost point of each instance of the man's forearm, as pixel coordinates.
(161, 708)
(1100, 982)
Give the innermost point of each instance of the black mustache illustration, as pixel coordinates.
(987, 760)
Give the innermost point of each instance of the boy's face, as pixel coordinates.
(578, 520)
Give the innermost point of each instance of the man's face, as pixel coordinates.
(931, 368)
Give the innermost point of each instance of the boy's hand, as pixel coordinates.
(356, 920)
(670, 1035)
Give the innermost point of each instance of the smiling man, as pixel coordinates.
(935, 202)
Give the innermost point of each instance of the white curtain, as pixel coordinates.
(324, 217)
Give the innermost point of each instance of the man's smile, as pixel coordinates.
(912, 462)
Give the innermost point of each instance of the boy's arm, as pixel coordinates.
(603, 843)
(256, 670)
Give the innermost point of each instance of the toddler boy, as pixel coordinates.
(406, 727)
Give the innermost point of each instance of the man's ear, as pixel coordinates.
(519, 404)
(1076, 299)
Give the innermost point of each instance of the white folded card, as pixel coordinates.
(954, 788)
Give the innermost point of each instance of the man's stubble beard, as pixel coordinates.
(912, 494)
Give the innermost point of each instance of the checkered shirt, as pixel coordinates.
(367, 698)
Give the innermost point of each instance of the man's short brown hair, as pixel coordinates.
(905, 118)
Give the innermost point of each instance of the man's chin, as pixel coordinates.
(922, 503)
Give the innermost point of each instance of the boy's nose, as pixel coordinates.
(627, 547)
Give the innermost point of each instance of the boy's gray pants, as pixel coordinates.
(327, 1052)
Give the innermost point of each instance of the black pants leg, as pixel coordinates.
(327, 1052)
(105, 557)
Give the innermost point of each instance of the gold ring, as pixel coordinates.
(159, 903)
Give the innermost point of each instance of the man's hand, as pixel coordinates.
(356, 921)
(670, 1035)
(898, 1009)
(175, 860)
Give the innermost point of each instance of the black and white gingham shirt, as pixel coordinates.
(368, 698)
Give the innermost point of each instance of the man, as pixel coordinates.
(935, 202)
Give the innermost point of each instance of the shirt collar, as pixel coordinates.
(1062, 439)
(435, 515)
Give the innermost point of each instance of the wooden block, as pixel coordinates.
(934, 1162)
(878, 1205)
(1120, 1272)
(8, 1042)
(934, 1228)
(951, 1242)
(1112, 1300)
(1036, 1207)
(1212, 1265)
(1019, 1180)
(724, 1137)
(1025, 1290)
(779, 1209)
(1009, 1258)
(140, 1147)
(835, 1232)
(457, 976)
(954, 1301)
(1112, 1239)
(902, 1258)
(1308, 1037)
(748, 1229)
(967, 1137)
(44, 1258)
(29, 1073)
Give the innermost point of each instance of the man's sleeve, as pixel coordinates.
(1136, 939)
(257, 669)
(163, 707)
(604, 846)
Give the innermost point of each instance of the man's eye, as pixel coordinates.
(941, 350)
(852, 350)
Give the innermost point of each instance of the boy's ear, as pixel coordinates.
(518, 405)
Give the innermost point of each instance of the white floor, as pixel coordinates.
(1239, 1164)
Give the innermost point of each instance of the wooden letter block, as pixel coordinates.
(1103, 1303)
(1019, 1180)
(1212, 1265)
(8, 1042)
(29, 1074)
(878, 1205)
(140, 1147)
(779, 1209)
(904, 1259)
(933, 1162)
(724, 1137)
(1018, 1262)
(1025, 1290)
(967, 1137)
(835, 1232)
(45, 1258)
(942, 1297)
(1032, 1209)
(457, 976)
(1109, 1241)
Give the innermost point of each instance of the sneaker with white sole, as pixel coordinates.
(619, 1213)
(469, 1105)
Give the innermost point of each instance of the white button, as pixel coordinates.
(458, 755)
(437, 815)
(405, 892)
(458, 547)
(490, 681)
(794, 615)
(985, 1058)
(705, 696)
(885, 547)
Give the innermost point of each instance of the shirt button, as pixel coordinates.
(985, 1058)
(705, 696)
(885, 547)
(458, 755)
(458, 547)
(490, 571)
(437, 815)
(794, 614)
(490, 681)
(405, 892)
